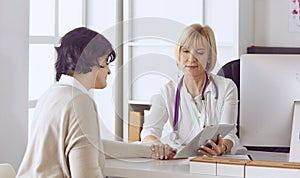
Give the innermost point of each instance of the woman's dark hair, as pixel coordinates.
(80, 50)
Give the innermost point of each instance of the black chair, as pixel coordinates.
(232, 70)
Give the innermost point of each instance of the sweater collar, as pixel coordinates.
(71, 81)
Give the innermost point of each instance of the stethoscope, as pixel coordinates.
(175, 135)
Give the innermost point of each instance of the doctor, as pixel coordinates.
(199, 99)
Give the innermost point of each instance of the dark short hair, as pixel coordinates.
(79, 51)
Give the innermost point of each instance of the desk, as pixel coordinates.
(149, 168)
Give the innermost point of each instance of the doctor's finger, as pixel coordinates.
(208, 150)
(161, 151)
(171, 155)
(168, 149)
(205, 153)
(212, 143)
(153, 153)
(220, 140)
(216, 148)
(156, 151)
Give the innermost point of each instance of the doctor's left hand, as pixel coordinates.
(213, 149)
(162, 151)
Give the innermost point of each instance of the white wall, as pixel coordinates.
(14, 79)
(271, 24)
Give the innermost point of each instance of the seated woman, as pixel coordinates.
(63, 138)
(199, 99)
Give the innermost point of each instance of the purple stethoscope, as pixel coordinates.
(175, 135)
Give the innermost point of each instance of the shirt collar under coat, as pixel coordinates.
(71, 81)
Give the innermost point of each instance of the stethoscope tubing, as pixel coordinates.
(177, 98)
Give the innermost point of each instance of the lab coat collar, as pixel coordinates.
(71, 81)
(209, 88)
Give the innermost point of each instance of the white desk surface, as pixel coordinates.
(149, 168)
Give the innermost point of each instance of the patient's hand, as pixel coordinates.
(162, 151)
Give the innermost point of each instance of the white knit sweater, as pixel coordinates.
(64, 137)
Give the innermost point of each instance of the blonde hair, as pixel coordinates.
(194, 35)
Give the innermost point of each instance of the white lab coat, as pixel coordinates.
(192, 111)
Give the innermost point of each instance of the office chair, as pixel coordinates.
(7, 171)
(232, 70)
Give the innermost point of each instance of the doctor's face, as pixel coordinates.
(193, 60)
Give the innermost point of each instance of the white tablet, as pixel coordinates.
(209, 132)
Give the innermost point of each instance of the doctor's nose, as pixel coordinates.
(191, 57)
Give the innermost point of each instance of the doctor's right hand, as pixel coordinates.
(162, 151)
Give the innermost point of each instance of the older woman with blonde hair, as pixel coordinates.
(199, 99)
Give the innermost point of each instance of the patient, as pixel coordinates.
(63, 138)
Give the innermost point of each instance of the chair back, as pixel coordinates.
(232, 70)
(7, 171)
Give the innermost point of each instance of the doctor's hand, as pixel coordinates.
(162, 151)
(213, 149)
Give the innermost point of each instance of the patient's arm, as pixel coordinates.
(150, 139)
(116, 149)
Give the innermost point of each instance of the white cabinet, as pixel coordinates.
(152, 28)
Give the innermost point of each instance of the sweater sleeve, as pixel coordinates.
(84, 163)
(115, 149)
(84, 149)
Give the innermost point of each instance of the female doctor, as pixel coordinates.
(199, 99)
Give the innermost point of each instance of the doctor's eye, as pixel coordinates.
(200, 52)
(184, 50)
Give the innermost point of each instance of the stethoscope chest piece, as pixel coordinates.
(174, 136)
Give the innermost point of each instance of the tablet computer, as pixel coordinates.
(209, 132)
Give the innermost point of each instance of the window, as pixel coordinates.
(49, 20)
